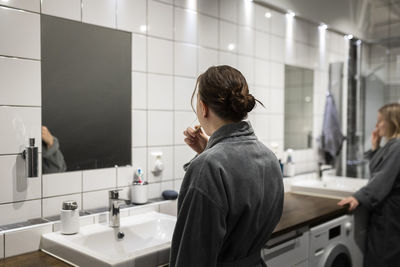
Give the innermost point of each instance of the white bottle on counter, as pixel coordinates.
(69, 218)
(289, 168)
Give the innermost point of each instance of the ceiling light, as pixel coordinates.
(231, 47)
(143, 28)
(290, 14)
(348, 36)
(323, 26)
(268, 15)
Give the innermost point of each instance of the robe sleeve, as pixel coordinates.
(199, 232)
(382, 180)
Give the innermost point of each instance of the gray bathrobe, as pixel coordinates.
(382, 197)
(53, 160)
(230, 201)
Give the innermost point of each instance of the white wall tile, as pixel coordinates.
(262, 125)
(228, 10)
(160, 92)
(277, 48)
(56, 184)
(139, 90)
(20, 211)
(209, 7)
(160, 19)
(99, 179)
(20, 82)
(95, 199)
(169, 185)
(31, 5)
(139, 128)
(227, 58)
(262, 22)
(246, 40)
(23, 38)
(262, 72)
(207, 58)
(160, 128)
(262, 45)
(278, 24)
(52, 206)
(169, 208)
(139, 52)
(18, 125)
(277, 74)
(132, 15)
(183, 119)
(170, 2)
(1, 246)
(183, 154)
(154, 191)
(15, 186)
(208, 31)
(139, 159)
(247, 13)
(159, 56)
(19, 242)
(246, 66)
(69, 9)
(125, 175)
(177, 184)
(99, 12)
(185, 26)
(167, 159)
(190, 4)
(184, 88)
(276, 101)
(262, 94)
(276, 127)
(228, 36)
(185, 62)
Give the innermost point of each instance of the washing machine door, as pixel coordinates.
(337, 256)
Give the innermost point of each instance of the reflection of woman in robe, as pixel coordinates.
(53, 159)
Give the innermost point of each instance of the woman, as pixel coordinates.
(382, 193)
(231, 197)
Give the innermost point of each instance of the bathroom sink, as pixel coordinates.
(146, 242)
(331, 186)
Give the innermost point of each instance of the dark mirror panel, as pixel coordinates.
(86, 96)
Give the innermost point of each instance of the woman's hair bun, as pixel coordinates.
(242, 104)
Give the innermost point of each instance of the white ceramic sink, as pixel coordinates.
(331, 186)
(146, 242)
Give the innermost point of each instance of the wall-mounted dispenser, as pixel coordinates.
(30, 155)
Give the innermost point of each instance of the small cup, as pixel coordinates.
(139, 193)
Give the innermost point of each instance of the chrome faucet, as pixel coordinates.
(322, 170)
(115, 203)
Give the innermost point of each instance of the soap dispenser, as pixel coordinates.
(289, 169)
(139, 188)
(69, 218)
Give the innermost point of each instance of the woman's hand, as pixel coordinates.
(47, 137)
(196, 139)
(351, 201)
(376, 139)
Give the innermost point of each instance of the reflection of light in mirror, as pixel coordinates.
(323, 27)
(192, 4)
(289, 37)
(322, 45)
(290, 14)
(268, 15)
(143, 28)
(358, 42)
(307, 99)
(231, 46)
(348, 36)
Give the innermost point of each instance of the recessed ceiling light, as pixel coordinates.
(231, 47)
(268, 15)
(143, 28)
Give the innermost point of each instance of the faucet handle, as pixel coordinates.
(114, 194)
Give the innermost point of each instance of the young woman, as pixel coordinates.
(382, 193)
(231, 197)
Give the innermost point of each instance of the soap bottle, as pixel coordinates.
(69, 218)
(139, 188)
(289, 169)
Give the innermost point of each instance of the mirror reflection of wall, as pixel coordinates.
(86, 96)
(298, 107)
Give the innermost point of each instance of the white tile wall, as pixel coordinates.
(52, 205)
(20, 82)
(183, 119)
(160, 92)
(1, 246)
(19, 242)
(95, 199)
(99, 179)
(157, 49)
(131, 15)
(69, 9)
(207, 58)
(209, 7)
(20, 211)
(168, 160)
(62, 183)
(246, 40)
(139, 128)
(139, 90)
(185, 60)
(184, 88)
(183, 154)
(185, 26)
(18, 124)
(228, 10)
(160, 128)
(160, 19)
(99, 12)
(22, 39)
(139, 51)
(208, 31)
(227, 36)
(15, 186)
(125, 175)
(262, 45)
(31, 5)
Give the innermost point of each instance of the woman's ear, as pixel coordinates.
(204, 109)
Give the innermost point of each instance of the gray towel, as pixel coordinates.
(332, 137)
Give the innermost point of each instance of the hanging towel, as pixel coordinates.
(332, 137)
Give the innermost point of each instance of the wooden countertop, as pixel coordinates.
(298, 211)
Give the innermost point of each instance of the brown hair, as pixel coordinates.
(225, 91)
(391, 114)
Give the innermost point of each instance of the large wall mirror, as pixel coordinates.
(86, 96)
(298, 107)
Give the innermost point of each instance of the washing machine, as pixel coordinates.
(332, 244)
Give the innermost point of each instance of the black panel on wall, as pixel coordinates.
(86, 92)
